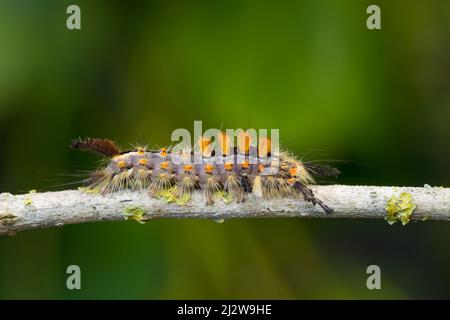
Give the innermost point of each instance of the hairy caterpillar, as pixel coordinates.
(167, 170)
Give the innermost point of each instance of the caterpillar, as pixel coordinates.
(228, 172)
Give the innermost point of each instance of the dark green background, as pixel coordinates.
(136, 71)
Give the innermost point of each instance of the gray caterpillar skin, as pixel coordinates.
(236, 174)
(151, 160)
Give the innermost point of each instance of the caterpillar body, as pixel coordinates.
(176, 172)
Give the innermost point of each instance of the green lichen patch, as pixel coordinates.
(170, 196)
(167, 195)
(181, 201)
(7, 218)
(224, 196)
(89, 190)
(400, 208)
(135, 213)
(28, 201)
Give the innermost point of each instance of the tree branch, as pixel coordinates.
(49, 209)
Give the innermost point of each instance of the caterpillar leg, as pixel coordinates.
(309, 196)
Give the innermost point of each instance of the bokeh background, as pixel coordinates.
(377, 100)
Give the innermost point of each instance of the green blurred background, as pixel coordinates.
(136, 71)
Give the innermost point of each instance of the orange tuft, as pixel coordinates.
(204, 142)
(140, 150)
(209, 168)
(291, 180)
(122, 164)
(293, 171)
(225, 143)
(228, 166)
(245, 164)
(164, 165)
(264, 146)
(143, 162)
(244, 141)
(163, 152)
(205, 145)
(261, 167)
(187, 167)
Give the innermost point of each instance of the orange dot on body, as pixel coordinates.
(209, 168)
(143, 162)
(121, 164)
(164, 165)
(228, 166)
(245, 164)
(187, 167)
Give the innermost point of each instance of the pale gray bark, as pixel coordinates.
(50, 209)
